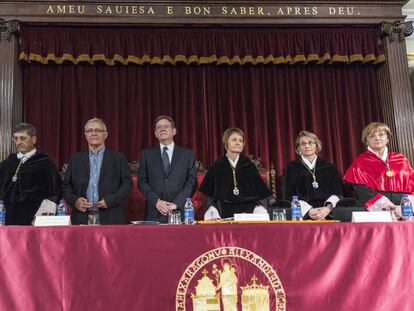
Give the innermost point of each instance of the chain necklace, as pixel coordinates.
(14, 178)
(235, 189)
(389, 172)
(315, 184)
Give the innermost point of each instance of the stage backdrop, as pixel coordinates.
(272, 83)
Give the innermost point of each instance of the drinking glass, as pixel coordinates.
(279, 214)
(174, 217)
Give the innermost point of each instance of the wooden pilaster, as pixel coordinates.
(10, 84)
(395, 90)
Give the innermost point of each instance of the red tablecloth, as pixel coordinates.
(308, 266)
(135, 205)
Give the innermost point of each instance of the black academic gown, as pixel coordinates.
(218, 186)
(38, 179)
(298, 181)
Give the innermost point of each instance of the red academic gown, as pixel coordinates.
(368, 176)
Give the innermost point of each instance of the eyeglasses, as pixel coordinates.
(163, 127)
(306, 143)
(96, 131)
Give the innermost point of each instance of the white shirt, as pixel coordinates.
(384, 155)
(309, 164)
(169, 151)
(25, 156)
(233, 163)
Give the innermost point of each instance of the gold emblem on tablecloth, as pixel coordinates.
(226, 286)
(255, 296)
(206, 297)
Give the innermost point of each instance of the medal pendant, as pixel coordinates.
(315, 184)
(389, 173)
(236, 191)
(14, 178)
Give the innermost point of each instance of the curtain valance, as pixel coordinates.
(200, 45)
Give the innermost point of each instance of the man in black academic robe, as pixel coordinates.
(27, 179)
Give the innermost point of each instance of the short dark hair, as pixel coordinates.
(230, 131)
(163, 117)
(25, 127)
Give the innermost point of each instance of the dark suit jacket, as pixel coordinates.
(115, 184)
(180, 182)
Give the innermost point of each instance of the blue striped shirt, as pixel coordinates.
(95, 164)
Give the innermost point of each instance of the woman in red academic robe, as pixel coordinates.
(378, 176)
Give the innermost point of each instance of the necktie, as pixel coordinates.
(165, 160)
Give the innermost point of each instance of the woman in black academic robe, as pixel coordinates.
(314, 180)
(233, 184)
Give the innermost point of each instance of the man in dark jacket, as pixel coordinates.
(97, 181)
(167, 173)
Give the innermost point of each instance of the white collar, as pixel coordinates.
(25, 156)
(170, 146)
(309, 164)
(233, 163)
(384, 155)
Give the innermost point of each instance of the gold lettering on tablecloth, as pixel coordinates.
(227, 277)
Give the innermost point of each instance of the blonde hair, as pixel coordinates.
(311, 136)
(372, 128)
(227, 133)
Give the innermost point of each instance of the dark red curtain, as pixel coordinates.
(282, 45)
(271, 103)
(270, 82)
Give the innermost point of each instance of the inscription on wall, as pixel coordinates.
(277, 12)
(193, 10)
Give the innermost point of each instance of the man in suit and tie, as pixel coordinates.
(167, 173)
(97, 181)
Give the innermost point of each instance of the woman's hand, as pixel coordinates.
(319, 213)
(397, 211)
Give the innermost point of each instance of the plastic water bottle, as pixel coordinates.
(2, 213)
(406, 208)
(296, 211)
(61, 209)
(188, 212)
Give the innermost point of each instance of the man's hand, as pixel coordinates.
(172, 206)
(101, 204)
(82, 204)
(164, 207)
